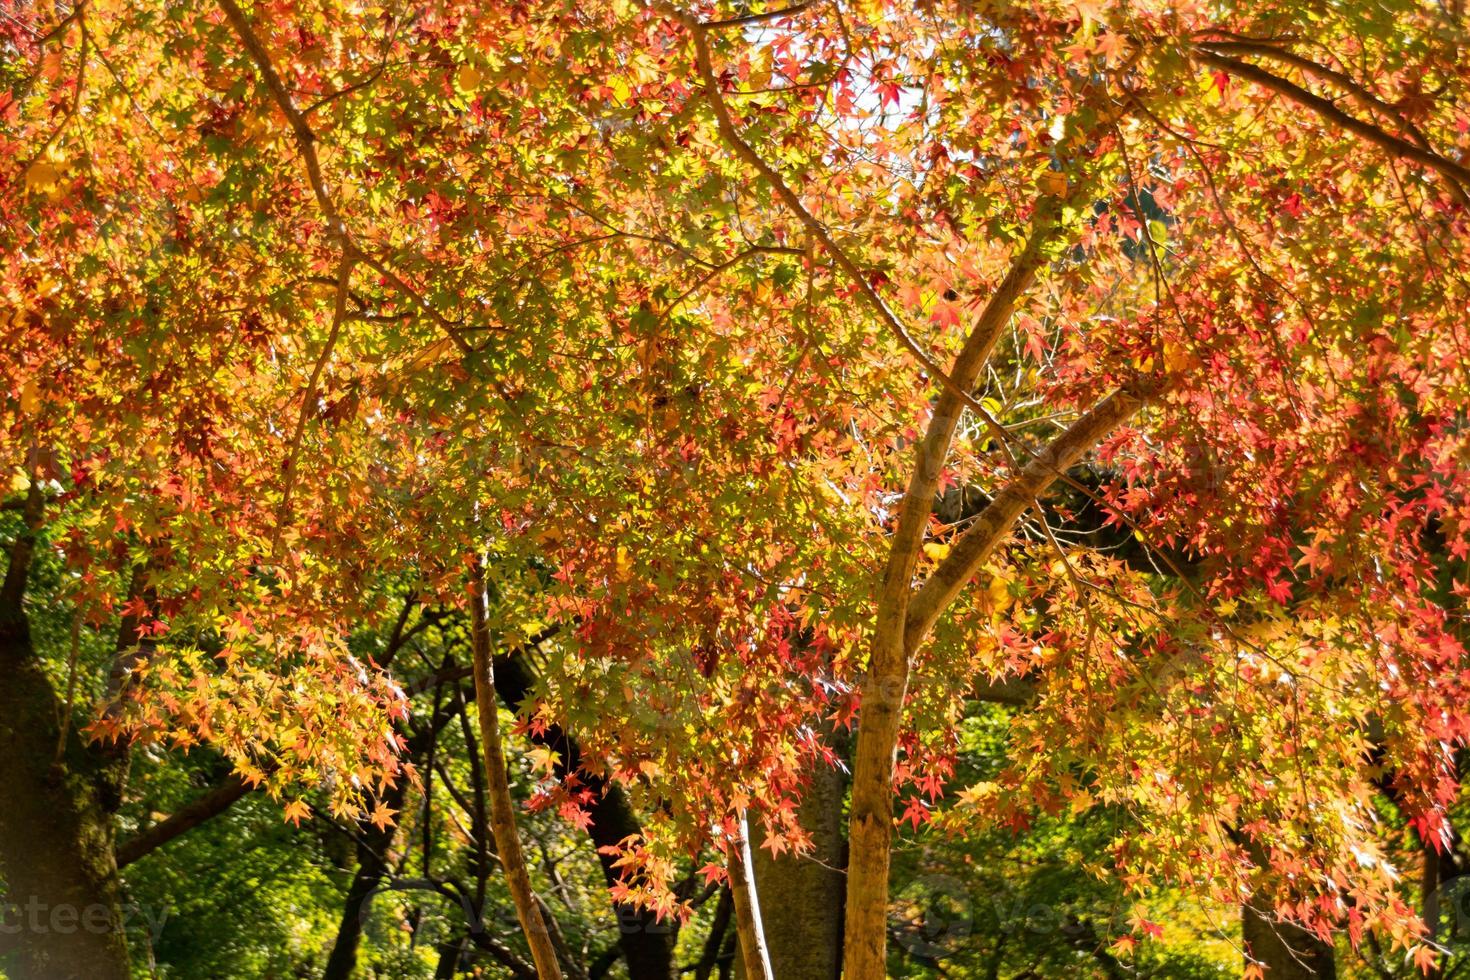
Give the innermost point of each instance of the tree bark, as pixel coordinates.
(59, 916)
(805, 939)
(753, 956)
(497, 785)
(1284, 950)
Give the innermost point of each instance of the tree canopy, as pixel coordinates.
(760, 373)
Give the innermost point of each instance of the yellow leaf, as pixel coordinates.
(1176, 357)
(999, 593)
(543, 758)
(30, 398)
(468, 78)
(973, 795)
(1051, 183)
(42, 175)
(935, 551)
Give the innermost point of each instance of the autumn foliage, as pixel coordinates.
(784, 370)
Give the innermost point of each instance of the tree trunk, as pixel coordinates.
(373, 844)
(883, 688)
(342, 960)
(710, 956)
(60, 917)
(497, 789)
(1285, 951)
(450, 955)
(754, 959)
(647, 944)
(805, 939)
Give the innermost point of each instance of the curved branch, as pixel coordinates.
(996, 520)
(308, 397)
(1393, 145)
(212, 803)
(306, 141)
(726, 125)
(1309, 67)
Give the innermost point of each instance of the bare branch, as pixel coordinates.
(779, 12)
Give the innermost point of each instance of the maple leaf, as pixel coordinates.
(543, 758)
(916, 812)
(1144, 926)
(382, 816)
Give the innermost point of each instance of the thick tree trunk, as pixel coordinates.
(1283, 950)
(59, 915)
(497, 790)
(805, 939)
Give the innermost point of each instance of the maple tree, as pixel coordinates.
(666, 326)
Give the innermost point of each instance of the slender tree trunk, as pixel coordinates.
(898, 629)
(753, 954)
(59, 915)
(497, 785)
(904, 620)
(886, 683)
